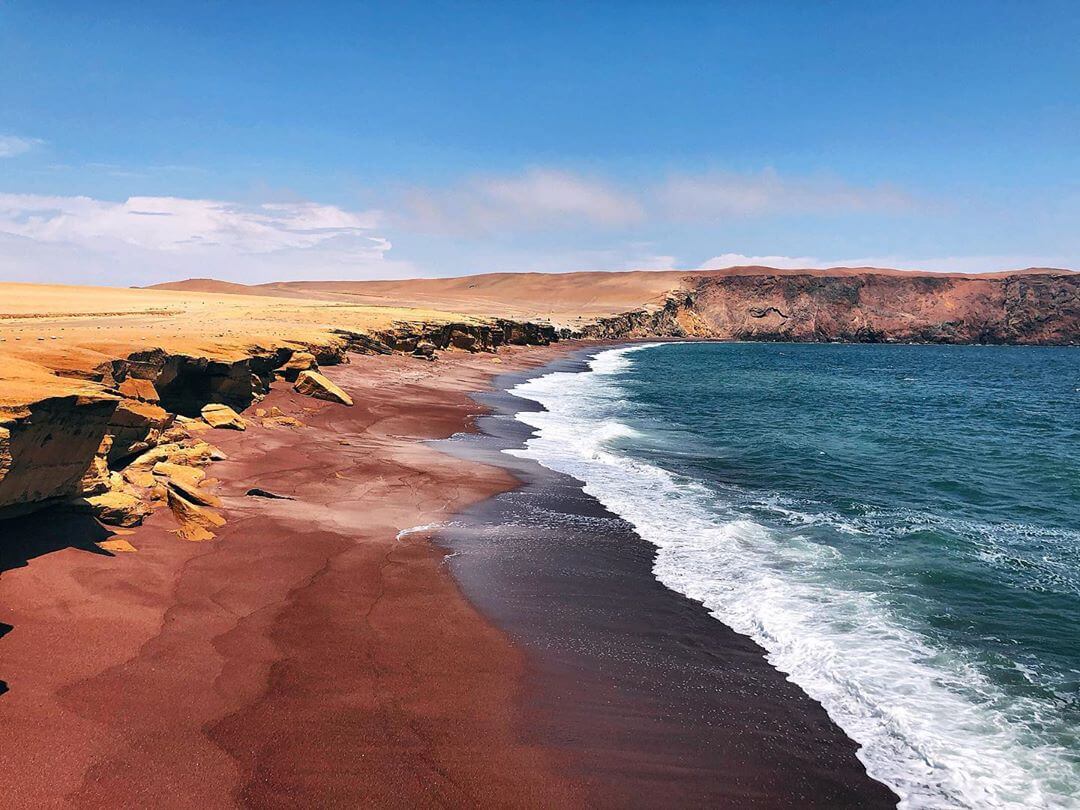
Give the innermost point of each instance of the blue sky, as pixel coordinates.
(141, 142)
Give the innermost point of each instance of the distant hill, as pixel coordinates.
(900, 297)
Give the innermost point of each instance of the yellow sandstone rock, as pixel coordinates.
(222, 416)
(196, 522)
(96, 479)
(313, 384)
(118, 508)
(299, 362)
(179, 472)
(198, 454)
(138, 477)
(139, 389)
(135, 426)
(185, 481)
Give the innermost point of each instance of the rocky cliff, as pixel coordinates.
(1032, 308)
(88, 449)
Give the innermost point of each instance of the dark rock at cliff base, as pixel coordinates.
(424, 349)
(464, 340)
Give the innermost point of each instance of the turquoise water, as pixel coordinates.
(898, 526)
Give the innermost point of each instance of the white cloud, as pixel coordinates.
(537, 199)
(147, 239)
(715, 195)
(12, 145)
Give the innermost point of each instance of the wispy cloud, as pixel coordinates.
(13, 145)
(168, 235)
(715, 195)
(542, 199)
(537, 199)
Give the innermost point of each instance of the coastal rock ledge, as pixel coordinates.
(89, 449)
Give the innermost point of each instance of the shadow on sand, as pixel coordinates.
(40, 533)
(25, 538)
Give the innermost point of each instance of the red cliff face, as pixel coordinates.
(875, 307)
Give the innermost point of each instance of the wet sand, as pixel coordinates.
(648, 699)
(309, 656)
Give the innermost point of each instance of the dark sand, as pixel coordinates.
(649, 699)
(309, 657)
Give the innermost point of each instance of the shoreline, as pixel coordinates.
(622, 669)
(324, 650)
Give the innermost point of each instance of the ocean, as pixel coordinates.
(897, 526)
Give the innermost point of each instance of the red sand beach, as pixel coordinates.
(311, 655)
(305, 656)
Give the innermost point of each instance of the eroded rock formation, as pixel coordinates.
(98, 451)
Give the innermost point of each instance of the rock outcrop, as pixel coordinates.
(135, 426)
(47, 448)
(473, 337)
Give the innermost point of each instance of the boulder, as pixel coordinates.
(222, 416)
(463, 340)
(185, 481)
(192, 476)
(116, 508)
(192, 492)
(139, 477)
(425, 348)
(313, 384)
(196, 522)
